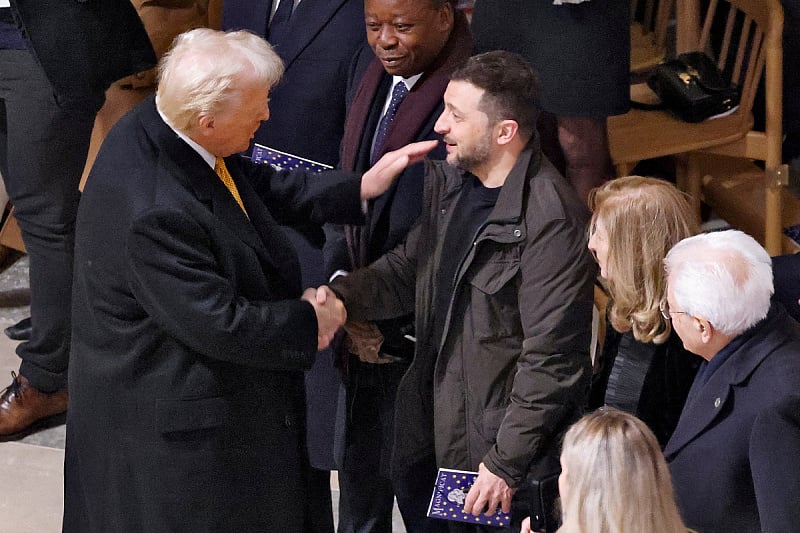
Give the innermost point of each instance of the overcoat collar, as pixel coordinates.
(182, 169)
(708, 401)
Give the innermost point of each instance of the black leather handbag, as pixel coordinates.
(692, 88)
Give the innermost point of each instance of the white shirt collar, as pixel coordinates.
(410, 82)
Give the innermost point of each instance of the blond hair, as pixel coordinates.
(206, 69)
(617, 480)
(644, 218)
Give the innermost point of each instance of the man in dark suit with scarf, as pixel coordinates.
(190, 330)
(415, 45)
(56, 60)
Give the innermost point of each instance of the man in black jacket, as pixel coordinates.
(415, 44)
(500, 280)
(190, 329)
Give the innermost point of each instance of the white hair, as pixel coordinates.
(205, 69)
(724, 277)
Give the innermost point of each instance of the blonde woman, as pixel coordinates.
(614, 478)
(644, 368)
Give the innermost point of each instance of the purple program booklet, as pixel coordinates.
(282, 160)
(449, 493)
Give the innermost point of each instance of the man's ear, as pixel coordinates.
(705, 328)
(445, 17)
(507, 130)
(205, 121)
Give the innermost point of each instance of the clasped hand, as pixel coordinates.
(364, 340)
(330, 311)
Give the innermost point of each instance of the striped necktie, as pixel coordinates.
(227, 180)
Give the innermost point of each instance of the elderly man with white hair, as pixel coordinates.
(726, 474)
(190, 328)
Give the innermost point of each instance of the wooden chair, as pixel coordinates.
(750, 45)
(649, 22)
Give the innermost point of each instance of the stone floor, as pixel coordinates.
(32, 469)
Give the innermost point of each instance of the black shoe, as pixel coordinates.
(21, 331)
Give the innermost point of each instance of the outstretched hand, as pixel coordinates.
(377, 179)
(330, 311)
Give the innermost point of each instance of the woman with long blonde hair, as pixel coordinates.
(614, 478)
(643, 368)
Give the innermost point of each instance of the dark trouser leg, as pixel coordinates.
(43, 146)
(366, 495)
(414, 491)
(585, 145)
(319, 518)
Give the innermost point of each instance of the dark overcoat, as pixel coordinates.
(728, 476)
(189, 339)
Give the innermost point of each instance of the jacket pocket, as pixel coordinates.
(173, 416)
(494, 309)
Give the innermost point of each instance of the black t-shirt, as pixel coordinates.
(470, 212)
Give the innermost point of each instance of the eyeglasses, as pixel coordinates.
(663, 306)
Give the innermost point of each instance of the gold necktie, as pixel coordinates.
(225, 176)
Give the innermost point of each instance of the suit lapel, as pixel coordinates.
(708, 402)
(307, 21)
(183, 171)
(276, 252)
(704, 408)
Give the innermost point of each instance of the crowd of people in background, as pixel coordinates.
(222, 334)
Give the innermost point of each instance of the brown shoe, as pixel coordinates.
(23, 408)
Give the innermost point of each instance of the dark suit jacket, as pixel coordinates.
(189, 339)
(103, 41)
(308, 105)
(716, 458)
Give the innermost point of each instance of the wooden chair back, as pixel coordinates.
(744, 39)
(751, 32)
(649, 25)
(750, 50)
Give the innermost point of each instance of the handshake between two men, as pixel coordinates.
(330, 311)
(364, 338)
